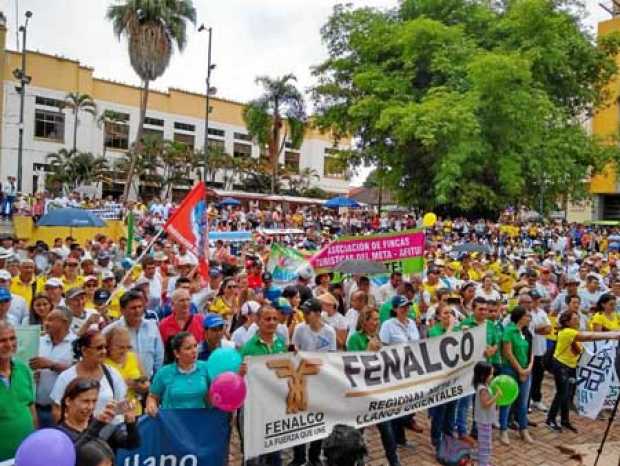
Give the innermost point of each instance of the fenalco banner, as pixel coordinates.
(296, 398)
(597, 383)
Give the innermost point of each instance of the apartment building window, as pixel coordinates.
(334, 167)
(291, 161)
(184, 127)
(154, 133)
(48, 102)
(116, 136)
(216, 145)
(187, 139)
(153, 121)
(217, 132)
(242, 150)
(243, 136)
(49, 125)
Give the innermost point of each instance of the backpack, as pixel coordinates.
(454, 452)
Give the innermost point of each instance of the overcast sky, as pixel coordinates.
(250, 38)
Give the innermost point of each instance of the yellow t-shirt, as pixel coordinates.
(129, 371)
(553, 336)
(114, 308)
(22, 289)
(67, 284)
(564, 348)
(608, 324)
(219, 306)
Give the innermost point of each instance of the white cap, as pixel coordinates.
(91, 278)
(56, 283)
(107, 274)
(5, 275)
(5, 254)
(249, 307)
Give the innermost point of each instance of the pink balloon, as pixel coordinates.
(228, 391)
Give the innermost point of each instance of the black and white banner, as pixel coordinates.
(296, 398)
(597, 382)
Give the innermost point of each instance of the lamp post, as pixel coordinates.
(24, 80)
(210, 91)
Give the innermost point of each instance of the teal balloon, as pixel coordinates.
(223, 360)
(508, 387)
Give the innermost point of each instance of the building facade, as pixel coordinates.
(174, 115)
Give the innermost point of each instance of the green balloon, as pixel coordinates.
(509, 388)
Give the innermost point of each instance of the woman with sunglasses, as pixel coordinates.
(91, 283)
(79, 421)
(184, 384)
(227, 301)
(90, 350)
(126, 362)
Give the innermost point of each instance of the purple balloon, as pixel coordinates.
(46, 447)
(228, 391)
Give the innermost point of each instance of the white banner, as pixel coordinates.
(597, 383)
(294, 398)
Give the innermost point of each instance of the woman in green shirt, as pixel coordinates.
(366, 339)
(517, 363)
(183, 384)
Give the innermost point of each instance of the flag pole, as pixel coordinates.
(137, 261)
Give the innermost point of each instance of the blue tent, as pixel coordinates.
(229, 201)
(70, 217)
(336, 202)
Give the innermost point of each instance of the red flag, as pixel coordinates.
(188, 226)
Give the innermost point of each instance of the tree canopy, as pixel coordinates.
(468, 105)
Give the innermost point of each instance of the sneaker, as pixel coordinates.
(553, 426)
(526, 437)
(503, 437)
(530, 410)
(406, 445)
(570, 427)
(540, 406)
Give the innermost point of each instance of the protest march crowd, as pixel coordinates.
(122, 338)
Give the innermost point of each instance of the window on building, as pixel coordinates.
(242, 150)
(217, 132)
(153, 121)
(41, 167)
(216, 145)
(116, 135)
(184, 127)
(334, 167)
(243, 136)
(48, 102)
(187, 139)
(49, 125)
(291, 161)
(153, 132)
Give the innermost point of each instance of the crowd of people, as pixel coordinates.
(121, 339)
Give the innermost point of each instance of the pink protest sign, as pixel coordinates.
(405, 248)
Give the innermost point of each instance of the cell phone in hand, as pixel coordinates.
(123, 407)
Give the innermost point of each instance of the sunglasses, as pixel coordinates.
(91, 285)
(87, 384)
(71, 265)
(231, 287)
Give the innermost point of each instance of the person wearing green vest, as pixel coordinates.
(17, 395)
(495, 329)
(517, 360)
(263, 343)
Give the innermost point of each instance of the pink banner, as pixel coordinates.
(389, 247)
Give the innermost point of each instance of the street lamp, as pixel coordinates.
(24, 80)
(210, 91)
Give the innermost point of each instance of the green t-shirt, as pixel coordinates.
(467, 323)
(436, 330)
(520, 346)
(178, 390)
(385, 311)
(15, 417)
(358, 341)
(494, 338)
(257, 347)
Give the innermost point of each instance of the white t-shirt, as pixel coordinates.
(240, 336)
(492, 295)
(336, 321)
(539, 342)
(306, 339)
(78, 322)
(351, 317)
(106, 394)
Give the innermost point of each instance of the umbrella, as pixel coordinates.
(229, 201)
(70, 217)
(336, 202)
(472, 247)
(358, 266)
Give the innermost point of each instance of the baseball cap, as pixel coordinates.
(53, 283)
(183, 261)
(5, 295)
(75, 292)
(107, 275)
(215, 272)
(212, 321)
(249, 307)
(304, 273)
(267, 277)
(283, 306)
(311, 305)
(5, 275)
(400, 301)
(103, 256)
(531, 273)
(91, 278)
(101, 296)
(141, 282)
(535, 294)
(5, 254)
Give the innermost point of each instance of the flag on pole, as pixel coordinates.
(130, 233)
(188, 226)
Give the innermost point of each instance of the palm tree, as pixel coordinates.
(109, 120)
(152, 28)
(177, 163)
(75, 169)
(77, 103)
(280, 108)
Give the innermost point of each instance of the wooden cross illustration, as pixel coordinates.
(297, 399)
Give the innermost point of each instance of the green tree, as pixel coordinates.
(275, 117)
(467, 106)
(152, 28)
(74, 169)
(77, 103)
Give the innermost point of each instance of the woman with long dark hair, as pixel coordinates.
(606, 319)
(40, 307)
(78, 421)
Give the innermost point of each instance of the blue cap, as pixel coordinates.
(215, 272)
(400, 301)
(4, 295)
(283, 305)
(212, 321)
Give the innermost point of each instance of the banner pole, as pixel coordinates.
(137, 261)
